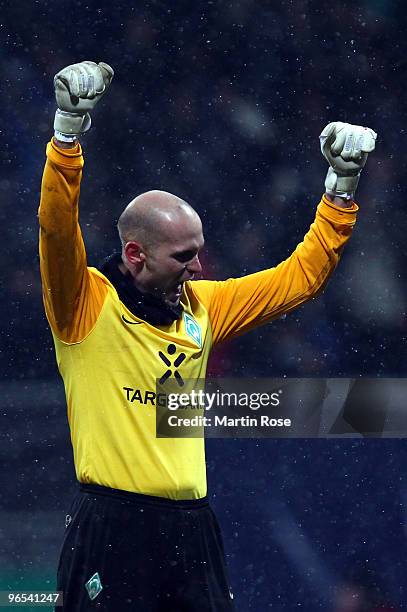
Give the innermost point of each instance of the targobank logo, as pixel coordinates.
(193, 329)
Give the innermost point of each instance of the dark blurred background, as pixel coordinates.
(221, 103)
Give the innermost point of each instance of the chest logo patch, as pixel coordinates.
(193, 329)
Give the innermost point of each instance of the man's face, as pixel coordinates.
(172, 260)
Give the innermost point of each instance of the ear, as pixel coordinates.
(134, 253)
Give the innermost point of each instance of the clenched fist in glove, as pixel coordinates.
(78, 88)
(345, 147)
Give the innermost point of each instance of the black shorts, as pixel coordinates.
(125, 551)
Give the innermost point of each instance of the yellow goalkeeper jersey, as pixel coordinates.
(110, 359)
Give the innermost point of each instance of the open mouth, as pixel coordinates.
(178, 290)
(174, 293)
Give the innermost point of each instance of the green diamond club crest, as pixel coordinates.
(94, 586)
(193, 329)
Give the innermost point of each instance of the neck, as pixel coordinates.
(123, 268)
(126, 271)
(145, 305)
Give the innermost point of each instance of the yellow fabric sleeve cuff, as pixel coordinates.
(70, 158)
(337, 214)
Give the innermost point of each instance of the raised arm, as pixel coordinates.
(73, 296)
(240, 304)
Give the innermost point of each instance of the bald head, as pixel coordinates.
(155, 216)
(161, 239)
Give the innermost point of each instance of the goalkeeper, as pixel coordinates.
(141, 535)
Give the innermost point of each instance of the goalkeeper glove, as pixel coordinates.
(345, 147)
(78, 88)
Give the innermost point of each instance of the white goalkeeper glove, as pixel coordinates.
(345, 147)
(78, 88)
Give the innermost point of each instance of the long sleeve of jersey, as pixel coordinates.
(73, 296)
(240, 304)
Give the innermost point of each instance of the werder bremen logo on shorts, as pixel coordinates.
(94, 586)
(192, 329)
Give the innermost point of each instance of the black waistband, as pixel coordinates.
(140, 498)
